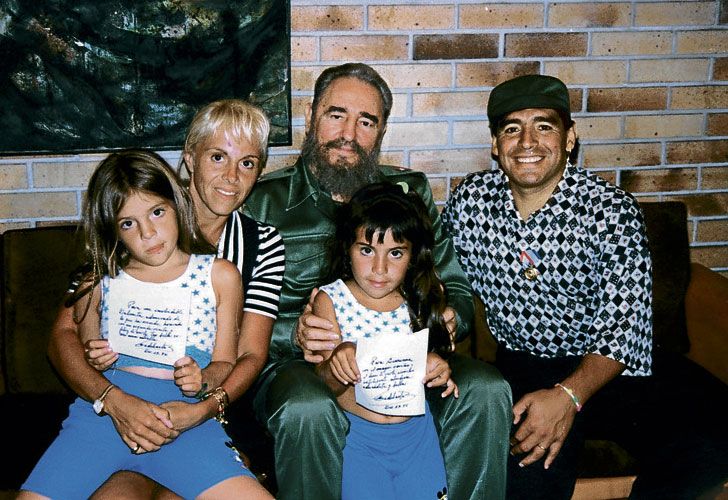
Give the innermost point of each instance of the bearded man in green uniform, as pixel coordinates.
(345, 125)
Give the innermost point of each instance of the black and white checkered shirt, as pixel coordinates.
(573, 279)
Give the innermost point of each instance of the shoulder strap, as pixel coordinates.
(250, 248)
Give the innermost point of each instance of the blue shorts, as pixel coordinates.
(393, 461)
(88, 450)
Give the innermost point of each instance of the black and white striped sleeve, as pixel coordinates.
(264, 289)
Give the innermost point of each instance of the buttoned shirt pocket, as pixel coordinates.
(306, 265)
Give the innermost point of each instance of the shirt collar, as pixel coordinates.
(568, 179)
(304, 185)
(301, 185)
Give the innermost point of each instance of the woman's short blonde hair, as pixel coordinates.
(240, 119)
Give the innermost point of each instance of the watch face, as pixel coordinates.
(98, 406)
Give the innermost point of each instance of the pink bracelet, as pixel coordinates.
(571, 395)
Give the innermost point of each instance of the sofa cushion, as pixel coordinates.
(667, 236)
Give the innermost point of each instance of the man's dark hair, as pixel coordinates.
(360, 71)
(496, 123)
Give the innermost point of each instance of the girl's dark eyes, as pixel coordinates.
(125, 224)
(216, 157)
(158, 212)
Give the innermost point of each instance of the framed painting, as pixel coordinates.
(94, 75)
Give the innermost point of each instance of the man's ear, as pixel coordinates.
(571, 136)
(493, 146)
(189, 162)
(308, 113)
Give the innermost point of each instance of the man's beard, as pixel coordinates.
(340, 178)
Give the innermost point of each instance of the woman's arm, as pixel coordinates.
(221, 373)
(86, 313)
(136, 420)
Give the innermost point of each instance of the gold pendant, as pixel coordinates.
(531, 273)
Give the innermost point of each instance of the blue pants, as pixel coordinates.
(393, 461)
(88, 450)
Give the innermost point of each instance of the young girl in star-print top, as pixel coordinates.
(382, 257)
(141, 234)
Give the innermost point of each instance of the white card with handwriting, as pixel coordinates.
(147, 320)
(392, 368)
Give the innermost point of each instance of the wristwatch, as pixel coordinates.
(99, 403)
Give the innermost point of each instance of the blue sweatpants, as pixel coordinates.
(88, 450)
(393, 461)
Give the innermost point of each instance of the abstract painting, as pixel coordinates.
(94, 75)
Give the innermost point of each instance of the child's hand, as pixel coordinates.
(188, 376)
(343, 364)
(438, 374)
(99, 355)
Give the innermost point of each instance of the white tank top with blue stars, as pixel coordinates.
(357, 321)
(202, 325)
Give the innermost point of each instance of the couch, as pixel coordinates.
(690, 304)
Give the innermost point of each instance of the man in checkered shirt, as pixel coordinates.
(559, 257)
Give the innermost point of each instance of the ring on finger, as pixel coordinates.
(539, 445)
(135, 449)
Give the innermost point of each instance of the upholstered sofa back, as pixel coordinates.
(36, 265)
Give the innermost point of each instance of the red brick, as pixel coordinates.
(491, 74)
(672, 13)
(587, 72)
(697, 151)
(720, 68)
(326, 17)
(673, 179)
(546, 45)
(703, 97)
(501, 15)
(714, 177)
(621, 155)
(411, 17)
(712, 230)
(703, 204)
(589, 14)
(717, 124)
(467, 46)
(452, 160)
(369, 47)
(710, 256)
(627, 99)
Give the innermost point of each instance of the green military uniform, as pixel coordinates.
(300, 411)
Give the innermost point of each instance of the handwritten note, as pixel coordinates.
(392, 368)
(148, 321)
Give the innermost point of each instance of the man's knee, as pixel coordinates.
(298, 399)
(480, 383)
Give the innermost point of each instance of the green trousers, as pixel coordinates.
(309, 431)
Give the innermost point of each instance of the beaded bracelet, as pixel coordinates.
(571, 395)
(222, 402)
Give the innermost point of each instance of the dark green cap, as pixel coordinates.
(529, 91)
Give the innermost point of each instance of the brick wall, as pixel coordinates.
(648, 80)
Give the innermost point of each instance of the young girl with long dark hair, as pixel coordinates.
(386, 285)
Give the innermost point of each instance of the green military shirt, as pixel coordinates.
(291, 200)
